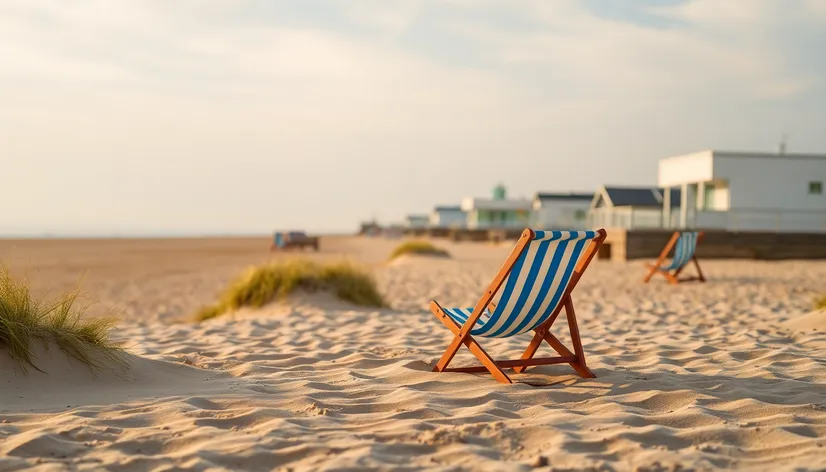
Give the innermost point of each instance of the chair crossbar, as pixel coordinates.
(517, 363)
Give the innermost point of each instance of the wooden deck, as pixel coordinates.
(622, 245)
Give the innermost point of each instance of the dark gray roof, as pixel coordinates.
(448, 208)
(564, 196)
(641, 196)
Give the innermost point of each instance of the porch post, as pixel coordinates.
(666, 214)
(691, 206)
(683, 206)
(701, 201)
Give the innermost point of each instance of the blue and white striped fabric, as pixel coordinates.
(535, 286)
(683, 250)
(279, 239)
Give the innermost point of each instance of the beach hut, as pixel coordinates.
(370, 228)
(416, 221)
(628, 207)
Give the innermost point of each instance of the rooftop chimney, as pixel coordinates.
(781, 146)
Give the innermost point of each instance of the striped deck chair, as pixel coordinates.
(684, 244)
(536, 283)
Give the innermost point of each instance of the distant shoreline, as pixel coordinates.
(24, 237)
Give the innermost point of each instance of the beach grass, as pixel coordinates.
(420, 248)
(261, 285)
(26, 319)
(820, 302)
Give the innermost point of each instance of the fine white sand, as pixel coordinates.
(730, 374)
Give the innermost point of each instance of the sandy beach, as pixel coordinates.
(722, 375)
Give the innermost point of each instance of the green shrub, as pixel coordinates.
(261, 285)
(25, 319)
(422, 248)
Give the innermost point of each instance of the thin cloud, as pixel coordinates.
(186, 115)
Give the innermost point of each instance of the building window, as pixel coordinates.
(815, 188)
(708, 196)
(579, 215)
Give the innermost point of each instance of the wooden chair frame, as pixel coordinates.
(674, 277)
(461, 333)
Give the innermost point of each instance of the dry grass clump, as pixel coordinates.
(820, 302)
(261, 285)
(25, 319)
(419, 248)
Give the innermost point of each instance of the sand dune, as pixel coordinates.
(694, 377)
(813, 321)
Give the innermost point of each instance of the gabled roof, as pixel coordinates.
(639, 196)
(563, 196)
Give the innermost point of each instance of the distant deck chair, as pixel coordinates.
(536, 281)
(684, 244)
(278, 240)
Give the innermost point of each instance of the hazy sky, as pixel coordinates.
(247, 116)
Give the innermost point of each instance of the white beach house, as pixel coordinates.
(497, 212)
(740, 191)
(629, 207)
(416, 221)
(444, 216)
(561, 210)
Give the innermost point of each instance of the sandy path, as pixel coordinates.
(696, 377)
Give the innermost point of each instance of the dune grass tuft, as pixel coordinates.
(261, 285)
(421, 248)
(26, 320)
(820, 302)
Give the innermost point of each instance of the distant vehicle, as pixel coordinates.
(293, 239)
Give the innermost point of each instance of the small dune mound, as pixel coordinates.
(812, 321)
(61, 380)
(27, 323)
(418, 248)
(262, 285)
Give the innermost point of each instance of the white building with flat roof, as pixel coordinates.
(742, 191)
(556, 211)
(444, 216)
(498, 212)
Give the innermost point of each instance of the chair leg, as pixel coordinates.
(448, 355)
(663, 255)
(652, 270)
(531, 350)
(675, 278)
(560, 348)
(581, 366)
(471, 344)
(543, 333)
(700, 275)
